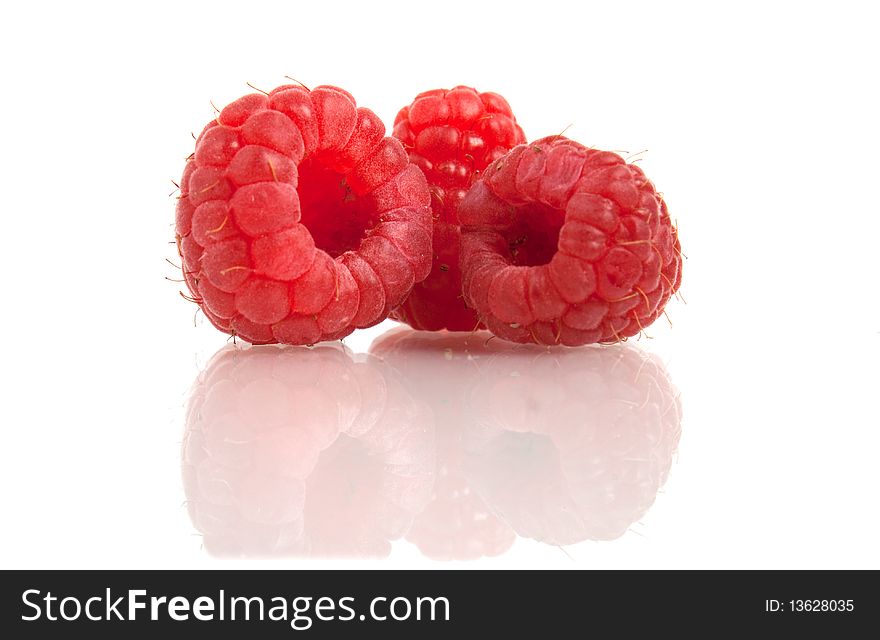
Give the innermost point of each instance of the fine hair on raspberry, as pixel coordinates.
(299, 220)
(563, 244)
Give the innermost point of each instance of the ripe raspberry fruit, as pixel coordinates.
(452, 135)
(298, 220)
(562, 244)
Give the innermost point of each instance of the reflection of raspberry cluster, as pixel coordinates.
(457, 443)
(308, 452)
(568, 446)
(556, 446)
(299, 221)
(440, 369)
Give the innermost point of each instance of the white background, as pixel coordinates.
(760, 122)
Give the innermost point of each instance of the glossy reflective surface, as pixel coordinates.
(456, 443)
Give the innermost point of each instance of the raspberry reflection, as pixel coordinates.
(298, 451)
(440, 368)
(455, 442)
(556, 445)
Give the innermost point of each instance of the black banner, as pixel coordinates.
(264, 604)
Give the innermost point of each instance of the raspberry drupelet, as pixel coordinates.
(452, 135)
(562, 244)
(299, 220)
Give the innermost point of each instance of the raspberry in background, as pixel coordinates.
(452, 135)
(562, 244)
(299, 220)
(570, 445)
(304, 452)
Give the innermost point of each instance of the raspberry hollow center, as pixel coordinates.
(534, 238)
(333, 214)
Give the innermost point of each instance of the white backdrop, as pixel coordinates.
(760, 122)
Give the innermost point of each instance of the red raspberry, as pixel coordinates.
(562, 244)
(298, 220)
(453, 135)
